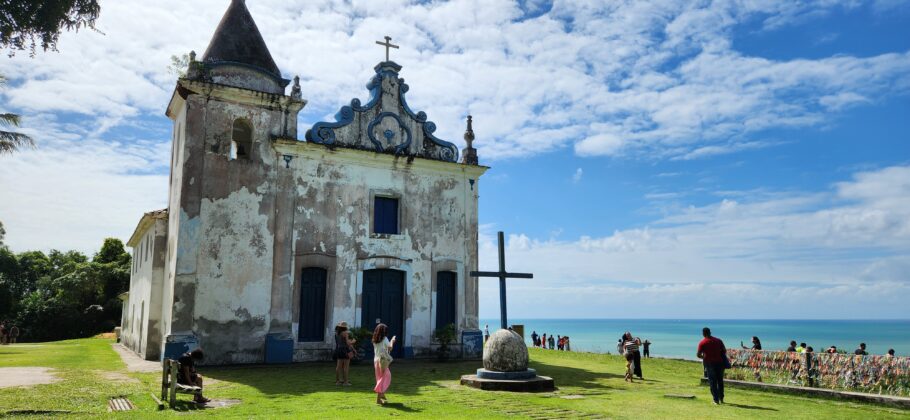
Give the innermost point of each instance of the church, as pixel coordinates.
(269, 241)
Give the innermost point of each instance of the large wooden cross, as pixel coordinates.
(503, 275)
(387, 44)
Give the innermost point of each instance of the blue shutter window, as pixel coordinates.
(385, 215)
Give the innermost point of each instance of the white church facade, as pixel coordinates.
(269, 241)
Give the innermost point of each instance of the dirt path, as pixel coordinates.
(26, 376)
(134, 363)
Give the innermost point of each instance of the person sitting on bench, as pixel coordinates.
(186, 375)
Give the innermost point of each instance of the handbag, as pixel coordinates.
(385, 360)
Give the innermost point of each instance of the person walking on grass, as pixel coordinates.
(13, 334)
(552, 342)
(343, 353)
(646, 346)
(382, 348)
(713, 353)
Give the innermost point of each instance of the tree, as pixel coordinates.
(112, 252)
(10, 291)
(2, 235)
(27, 24)
(10, 141)
(178, 65)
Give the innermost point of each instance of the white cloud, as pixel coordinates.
(72, 194)
(576, 177)
(659, 79)
(850, 244)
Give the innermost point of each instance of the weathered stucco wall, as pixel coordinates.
(222, 258)
(142, 331)
(333, 194)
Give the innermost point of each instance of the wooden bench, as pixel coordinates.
(169, 386)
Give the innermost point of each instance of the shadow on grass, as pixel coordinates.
(186, 406)
(750, 407)
(408, 376)
(565, 376)
(400, 407)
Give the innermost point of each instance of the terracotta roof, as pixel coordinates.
(238, 40)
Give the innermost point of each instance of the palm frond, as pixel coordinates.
(12, 141)
(9, 120)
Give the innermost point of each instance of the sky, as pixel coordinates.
(667, 159)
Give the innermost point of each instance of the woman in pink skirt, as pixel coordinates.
(381, 361)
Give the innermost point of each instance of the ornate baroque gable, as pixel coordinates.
(386, 124)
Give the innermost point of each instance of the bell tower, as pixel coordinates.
(227, 111)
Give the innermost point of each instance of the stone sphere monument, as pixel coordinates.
(505, 366)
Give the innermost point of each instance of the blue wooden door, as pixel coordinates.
(383, 298)
(446, 296)
(312, 305)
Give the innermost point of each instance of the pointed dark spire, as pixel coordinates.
(238, 40)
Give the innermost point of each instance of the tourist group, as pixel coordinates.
(560, 342)
(344, 351)
(8, 335)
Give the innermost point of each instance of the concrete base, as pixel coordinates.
(894, 401)
(508, 376)
(535, 384)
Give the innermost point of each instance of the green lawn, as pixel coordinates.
(590, 386)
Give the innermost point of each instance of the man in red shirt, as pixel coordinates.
(711, 351)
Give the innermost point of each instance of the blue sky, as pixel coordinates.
(654, 159)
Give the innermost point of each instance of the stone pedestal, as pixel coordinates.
(505, 367)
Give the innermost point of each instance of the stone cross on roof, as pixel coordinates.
(387, 44)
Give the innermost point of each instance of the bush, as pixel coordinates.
(364, 341)
(445, 336)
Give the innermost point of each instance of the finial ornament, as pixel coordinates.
(295, 89)
(192, 56)
(469, 133)
(469, 156)
(387, 44)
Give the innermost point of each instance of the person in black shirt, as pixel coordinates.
(647, 348)
(186, 374)
(792, 346)
(861, 351)
(756, 344)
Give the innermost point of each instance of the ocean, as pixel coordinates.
(677, 338)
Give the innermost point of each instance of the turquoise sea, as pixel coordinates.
(677, 338)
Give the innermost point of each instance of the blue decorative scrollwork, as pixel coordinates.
(324, 132)
(447, 151)
(403, 146)
(433, 147)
